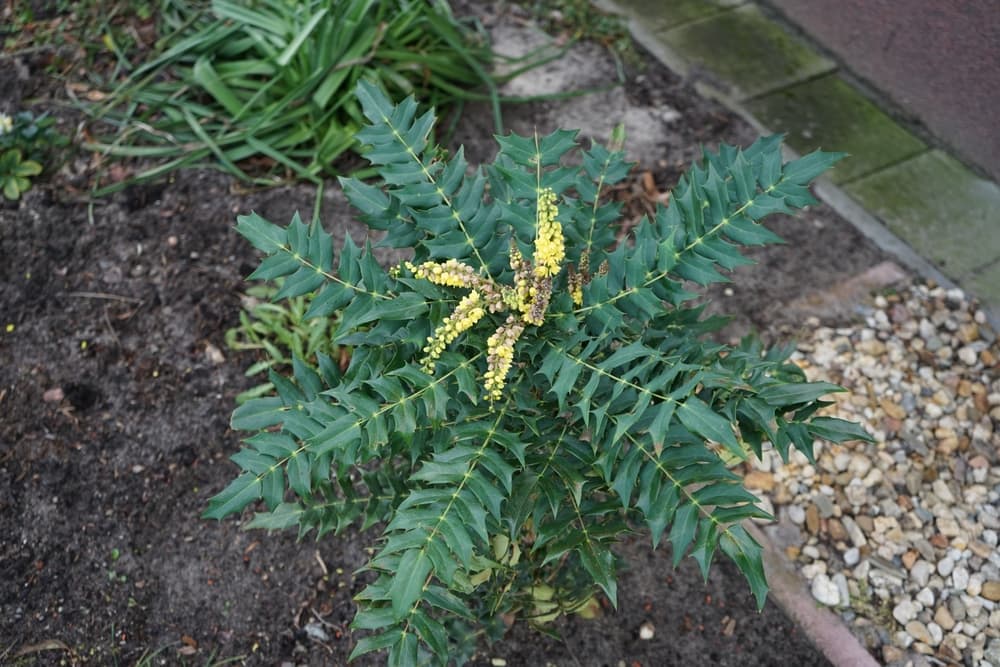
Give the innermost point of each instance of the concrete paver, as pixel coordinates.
(748, 54)
(827, 113)
(944, 211)
(663, 15)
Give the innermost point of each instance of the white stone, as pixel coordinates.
(921, 572)
(968, 356)
(856, 492)
(960, 578)
(840, 581)
(937, 634)
(814, 569)
(825, 591)
(852, 556)
(859, 465)
(905, 611)
(941, 491)
(975, 585)
(925, 597)
(796, 514)
(945, 566)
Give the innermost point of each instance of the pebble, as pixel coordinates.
(944, 618)
(854, 532)
(921, 572)
(968, 356)
(957, 608)
(941, 490)
(991, 591)
(915, 514)
(824, 506)
(919, 632)
(843, 588)
(825, 590)
(905, 611)
(796, 514)
(959, 578)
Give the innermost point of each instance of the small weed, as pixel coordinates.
(580, 19)
(27, 143)
(279, 332)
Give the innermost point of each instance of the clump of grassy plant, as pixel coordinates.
(262, 90)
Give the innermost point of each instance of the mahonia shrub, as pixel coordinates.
(528, 387)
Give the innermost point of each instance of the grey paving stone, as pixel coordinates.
(830, 114)
(748, 54)
(665, 14)
(944, 211)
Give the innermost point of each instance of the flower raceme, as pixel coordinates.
(529, 296)
(466, 314)
(500, 356)
(550, 247)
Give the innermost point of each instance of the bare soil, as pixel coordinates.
(114, 411)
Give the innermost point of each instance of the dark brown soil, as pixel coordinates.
(114, 433)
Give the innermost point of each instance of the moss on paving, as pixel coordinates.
(666, 14)
(944, 211)
(744, 49)
(828, 113)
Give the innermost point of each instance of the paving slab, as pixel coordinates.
(944, 211)
(745, 52)
(830, 114)
(665, 14)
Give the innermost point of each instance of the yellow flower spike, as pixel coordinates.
(468, 311)
(500, 356)
(550, 246)
(451, 273)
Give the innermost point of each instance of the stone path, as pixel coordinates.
(894, 185)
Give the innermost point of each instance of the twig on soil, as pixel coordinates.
(102, 295)
(322, 565)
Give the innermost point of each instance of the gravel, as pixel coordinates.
(900, 535)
